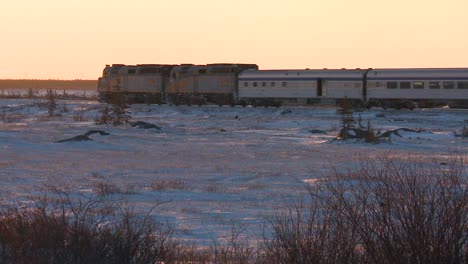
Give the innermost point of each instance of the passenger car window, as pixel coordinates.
(405, 85)
(462, 85)
(434, 85)
(392, 85)
(449, 85)
(418, 85)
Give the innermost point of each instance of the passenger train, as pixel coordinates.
(246, 84)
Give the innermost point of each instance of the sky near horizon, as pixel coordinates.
(75, 39)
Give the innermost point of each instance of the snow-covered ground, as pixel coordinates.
(214, 167)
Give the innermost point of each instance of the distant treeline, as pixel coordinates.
(49, 84)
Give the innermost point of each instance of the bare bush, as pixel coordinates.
(137, 238)
(193, 255)
(105, 117)
(117, 114)
(64, 230)
(234, 249)
(105, 188)
(230, 250)
(407, 211)
(317, 233)
(345, 109)
(388, 211)
(216, 187)
(51, 102)
(173, 184)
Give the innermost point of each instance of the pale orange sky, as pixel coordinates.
(74, 39)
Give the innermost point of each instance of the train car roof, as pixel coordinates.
(419, 69)
(435, 68)
(418, 72)
(288, 74)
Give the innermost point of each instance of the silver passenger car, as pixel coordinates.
(426, 87)
(276, 87)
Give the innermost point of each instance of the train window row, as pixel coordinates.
(266, 84)
(285, 84)
(389, 85)
(421, 85)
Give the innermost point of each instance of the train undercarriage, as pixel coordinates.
(228, 99)
(200, 99)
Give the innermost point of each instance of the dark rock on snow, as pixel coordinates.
(76, 139)
(317, 131)
(84, 137)
(144, 125)
(357, 133)
(100, 132)
(395, 132)
(354, 133)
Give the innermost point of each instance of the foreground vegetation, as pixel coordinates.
(385, 211)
